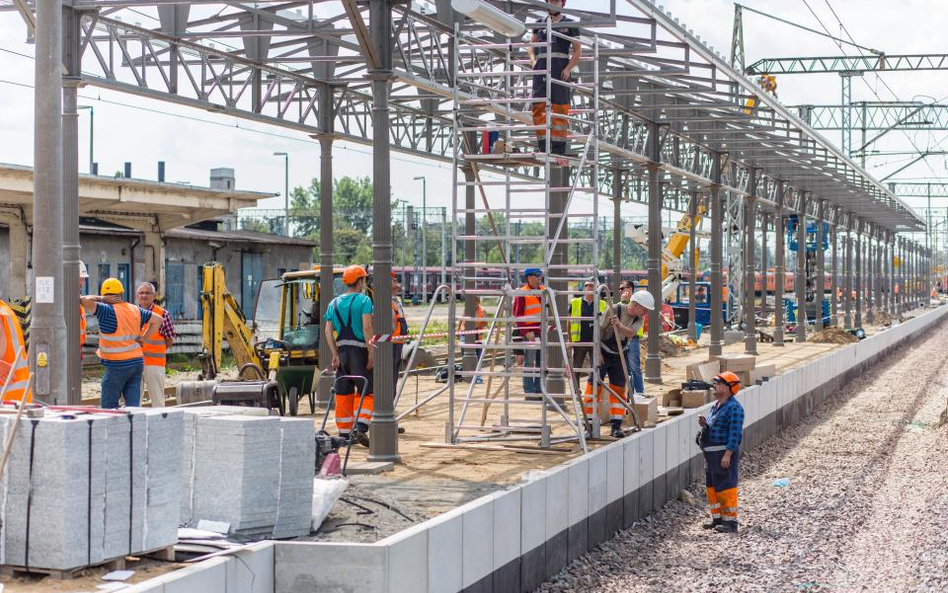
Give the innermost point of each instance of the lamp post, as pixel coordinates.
(424, 238)
(91, 136)
(286, 192)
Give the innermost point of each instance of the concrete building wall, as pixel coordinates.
(111, 255)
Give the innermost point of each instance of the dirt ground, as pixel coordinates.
(865, 508)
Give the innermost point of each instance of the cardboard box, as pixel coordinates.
(764, 371)
(703, 371)
(646, 408)
(738, 363)
(666, 399)
(694, 398)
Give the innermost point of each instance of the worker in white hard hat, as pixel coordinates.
(633, 356)
(619, 324)
(83, 278)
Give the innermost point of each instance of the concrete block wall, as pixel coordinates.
(514, 539)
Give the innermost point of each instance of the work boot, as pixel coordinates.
(727, 527)
(617, 430)
(541, 144)
(558, 147)
(714, 523)
(360, 435)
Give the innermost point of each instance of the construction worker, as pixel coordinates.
(155, 343)
(13, 356)
(720, 440)
(561, 66)
(348, 331)
(529, 307)
(581, 331)
(399, 324)
(120, 330)
(633, 354)
(619, 323)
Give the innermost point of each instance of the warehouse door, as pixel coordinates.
(251, 273)
(174, 289)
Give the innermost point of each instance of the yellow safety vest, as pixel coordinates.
(576, 310)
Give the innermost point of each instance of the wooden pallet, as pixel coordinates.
(165, 554)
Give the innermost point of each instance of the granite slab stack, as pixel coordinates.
(297, 466)
(254, 473)
(83, 489)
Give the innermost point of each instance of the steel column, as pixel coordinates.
(820, 264)
(692, 266)
(326, 255)
(71, 247)
(469, 356)
(616, 231)
(653, 361)
(716, 205)
(870, 276)
(48, 328)
(848, 276)
(800, 280)
(779, 265)
(384, 440)
(834, 276)
(858, 274)
(750, 314)
(764, 223)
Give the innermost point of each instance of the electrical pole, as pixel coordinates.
(424, 238)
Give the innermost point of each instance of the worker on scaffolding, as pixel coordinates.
(619, 324)
(348, 330)
(720, 440)
(562, 63)
(529, 307)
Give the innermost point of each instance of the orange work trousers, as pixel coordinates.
(346, 404)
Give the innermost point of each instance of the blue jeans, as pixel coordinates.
(531, 358)
(122, 381)
(633, 362)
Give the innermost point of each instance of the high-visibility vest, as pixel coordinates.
(12, 336)
(531, 304)
(123, 343)
(154, 347)
(399, 322)
(576, 310)
(82, 328)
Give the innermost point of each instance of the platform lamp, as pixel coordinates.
(286, 192)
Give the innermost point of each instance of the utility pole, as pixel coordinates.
(424, 237)
(444, 246)
(48, 330)
(286, 192)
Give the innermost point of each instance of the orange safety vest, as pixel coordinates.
(399, 323)
(531, 304)
(82, 328)
(123, 343)
(154, 347)
(11, 335)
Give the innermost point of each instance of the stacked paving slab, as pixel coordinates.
(254, 473)
(83, 489)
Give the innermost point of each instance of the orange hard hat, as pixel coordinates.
(731, 380)
(352, 274)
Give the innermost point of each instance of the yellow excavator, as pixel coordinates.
(278, 355)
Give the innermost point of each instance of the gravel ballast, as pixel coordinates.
(866, 507)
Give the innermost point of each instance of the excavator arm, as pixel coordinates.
(223, 319)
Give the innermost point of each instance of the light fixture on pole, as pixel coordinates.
(424, 237)
(493, 18)
(91, 137)
(286, 192)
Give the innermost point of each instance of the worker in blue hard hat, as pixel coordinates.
(528, 307)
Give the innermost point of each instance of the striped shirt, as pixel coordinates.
(108, 323)
(726, 424)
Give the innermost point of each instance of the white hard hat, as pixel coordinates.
(644, 298)
(83, 272)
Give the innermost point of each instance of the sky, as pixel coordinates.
(192, 142)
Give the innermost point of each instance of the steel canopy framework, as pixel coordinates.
(301, 59)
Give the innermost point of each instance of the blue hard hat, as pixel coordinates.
(533, 272)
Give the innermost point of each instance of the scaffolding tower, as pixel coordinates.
(495, 129)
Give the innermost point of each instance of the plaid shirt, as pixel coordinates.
(167, 326)
(726, 424)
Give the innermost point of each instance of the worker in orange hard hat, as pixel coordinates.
(720, 440)
(348, 332)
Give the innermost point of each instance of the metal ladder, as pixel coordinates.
(536, 190)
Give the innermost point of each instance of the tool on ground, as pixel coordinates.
(328, 443)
